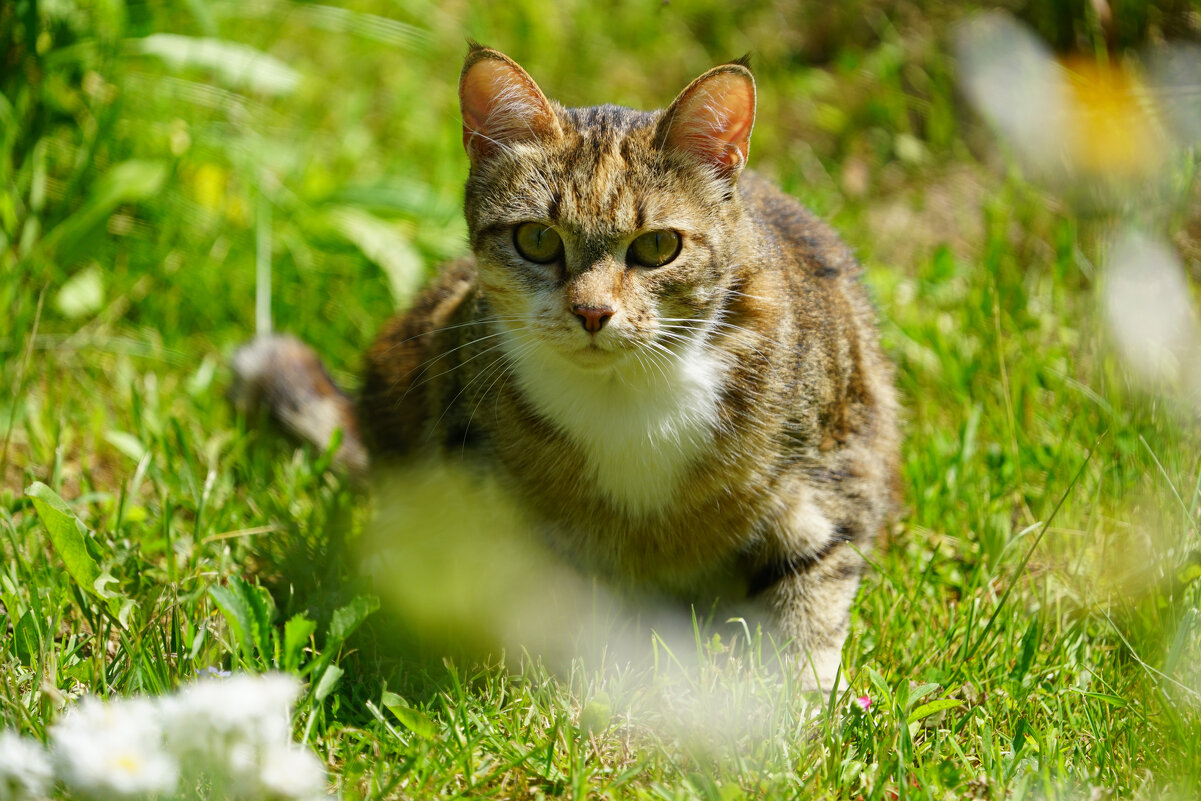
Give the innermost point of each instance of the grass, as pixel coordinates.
(1042, 582)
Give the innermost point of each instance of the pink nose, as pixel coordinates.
(593, 317)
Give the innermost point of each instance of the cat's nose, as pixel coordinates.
(593, 317)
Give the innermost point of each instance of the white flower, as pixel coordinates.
(24, 768)
(291, 772)
(230, 736)
(236, 733)
(213, 714)
(113, 750)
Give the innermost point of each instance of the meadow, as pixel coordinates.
(1031, 627)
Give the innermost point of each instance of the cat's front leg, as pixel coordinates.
(808, 594)
(811, 610)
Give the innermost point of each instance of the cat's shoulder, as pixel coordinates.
(794, 232)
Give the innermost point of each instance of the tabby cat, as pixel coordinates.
(671, 365)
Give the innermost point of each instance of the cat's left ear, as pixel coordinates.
(712, 118)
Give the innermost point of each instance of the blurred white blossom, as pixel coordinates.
(227, 738)
(289, 771)
(218, 713)
(113, 750)
(243, 724)
(1079, 121)
(1149, 313)
(24, 768)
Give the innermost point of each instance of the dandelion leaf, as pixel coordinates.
(68, 535)
(414, 720)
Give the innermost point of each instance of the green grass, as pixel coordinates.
(1043, 576)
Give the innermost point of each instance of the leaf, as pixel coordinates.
(297, 632)
(128, 444)
(881, 685)
(1112, 700)
(26, 642)
(262, 610)
(597, 713)
(101, 583)
(1023, 734)
(414, 720)
(249, 610)
(68, 535)
(921, 691)
(386, 245)
(237, 614)
(197, 643)
(82, 294)
(1029, 646)
(126, 182)
(125, 610)
(237, 65)
(329, 678)
(932, 708)
(348, 618)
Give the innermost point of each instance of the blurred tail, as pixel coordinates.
(286, 375)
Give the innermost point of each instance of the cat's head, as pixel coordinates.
(603, 232)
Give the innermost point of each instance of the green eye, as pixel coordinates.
(537, 243)
(655, 248)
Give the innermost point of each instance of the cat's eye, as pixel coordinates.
(655, 248)
(538, 243)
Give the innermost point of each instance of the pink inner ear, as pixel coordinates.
(482, 84)
(713, 121)
(500, 104)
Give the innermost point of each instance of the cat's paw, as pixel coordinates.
(820, 673)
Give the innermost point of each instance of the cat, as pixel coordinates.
(673, 367)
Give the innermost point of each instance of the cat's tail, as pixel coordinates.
(287, 376)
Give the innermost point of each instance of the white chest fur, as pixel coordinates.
(640, 424)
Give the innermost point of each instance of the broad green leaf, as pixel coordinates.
(921, 691)
(325, 685)
(237, 65)
(881, 685)
(297, 632)
(386, 245)
(348, 618)
(126, 182)
(596, 714)
(68, 535)
(123, 613)
(198, 642)
(82, 294)
(237, 613)
(414, 720)
(26, 643)
(262, 611)
(1024, 734)
(934, 707)
(100, 585)
(128, 444)
(1112, 700)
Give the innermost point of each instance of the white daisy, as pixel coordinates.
(24, 768)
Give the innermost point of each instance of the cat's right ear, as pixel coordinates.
(501, 105)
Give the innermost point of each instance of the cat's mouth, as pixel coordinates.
(594, 356)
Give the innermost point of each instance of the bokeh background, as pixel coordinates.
(1043, 581)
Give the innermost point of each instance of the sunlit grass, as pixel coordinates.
(1031, 627)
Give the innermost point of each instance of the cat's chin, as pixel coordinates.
(593, 357)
